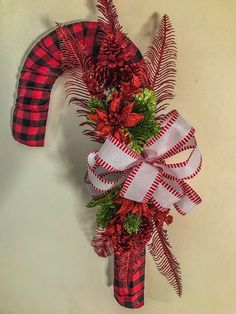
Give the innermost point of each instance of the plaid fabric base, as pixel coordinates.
(41, 69)
(131, 296)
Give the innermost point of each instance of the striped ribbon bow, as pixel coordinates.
(147, 176)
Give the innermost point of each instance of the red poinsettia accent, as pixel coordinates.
(129, 89)
(128, 206)
(145, 210)
(115, 119)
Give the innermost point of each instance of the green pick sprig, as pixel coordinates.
(106, 208)
(95, 103)
(145, 103)
(132, 223)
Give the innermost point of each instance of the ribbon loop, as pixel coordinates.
(141, 183)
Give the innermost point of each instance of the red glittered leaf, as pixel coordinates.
(133, 119)
(165, 261)
(102, 114)
(119, 135)
(100, 127)
(161, 61)
(126, 111)
(109, 20)
(136, 81)
(94, 117)
(76, 63)
(119, 200)
(114, 105)
(69, 49)
(126, 207)
(102, 244)
(105, 131)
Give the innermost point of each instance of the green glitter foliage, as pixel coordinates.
(104, 214)
(95, 103)
(145, 103)
(132, 223)
(106, 208)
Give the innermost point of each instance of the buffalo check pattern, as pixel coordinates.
(131, 296)
(40, 70)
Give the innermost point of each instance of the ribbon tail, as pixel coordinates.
(167, 194)
(189, 201)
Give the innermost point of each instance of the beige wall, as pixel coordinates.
(46, 263)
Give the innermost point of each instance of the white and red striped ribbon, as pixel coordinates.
(147, 176)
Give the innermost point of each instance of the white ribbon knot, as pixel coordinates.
(147, 176)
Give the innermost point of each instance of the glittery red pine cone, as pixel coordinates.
(123, 241)
(116, 62)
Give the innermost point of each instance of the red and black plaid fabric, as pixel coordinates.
(41, 69)
(131, 296)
